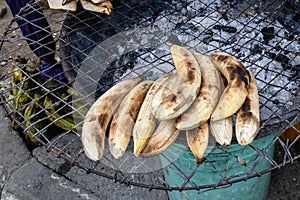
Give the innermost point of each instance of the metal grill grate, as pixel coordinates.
(96, 51)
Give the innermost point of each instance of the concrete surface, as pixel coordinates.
(40, 175)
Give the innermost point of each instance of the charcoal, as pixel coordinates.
(296, 17)
(207, 39)
(276, 101)
(263, 44)
(209, 32)
(256, 49)
(284, 60)
(236, 50)
(289, 36)
(228, 29)
(268, 33)
(296, 68)
(86, 29)
(116, 68)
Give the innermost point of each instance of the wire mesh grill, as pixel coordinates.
(96, 51)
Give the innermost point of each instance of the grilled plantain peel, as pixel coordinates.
(207, 99)
(197, 140)
(177, 98)
(247, 120)
(146, 121)
(99, 115)
(237, 83)
(123, 121)
(163, 137)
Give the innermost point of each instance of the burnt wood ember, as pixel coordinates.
(296, 17)
(253, 34)
(84, 30)
(228, 29)
(284, 60)
(268, 33)
(296, 68)
(115, 70)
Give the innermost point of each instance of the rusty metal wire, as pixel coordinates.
(263, 35)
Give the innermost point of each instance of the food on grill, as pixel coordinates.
(236, 90)
(197, 140)
(193, 99)
(63, 5)
(207, 98)
(222, 129)
(170, 82)
(100, 6)
(177, 98)
(146, 122)
(163, 137)
(99, 115)
(247, 119)
(97, 1)
(123, 121)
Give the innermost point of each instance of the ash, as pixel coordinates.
(265, 47)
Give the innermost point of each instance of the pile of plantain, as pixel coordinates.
(200, 98)
(99, 6)
(32, 102)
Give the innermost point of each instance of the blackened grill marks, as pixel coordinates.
(102, 119)
(243, 76)
(247, 105)
(173, 98)
(98, 139)
(186, 55)
(133, 113)
(248, 116)
(170, 98)
(92, 118)
(191, 72)
(232, 72)
(221, 58)
(239, 74)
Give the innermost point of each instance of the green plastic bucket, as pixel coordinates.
(221, 165)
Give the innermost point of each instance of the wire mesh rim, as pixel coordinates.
(115, 178)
